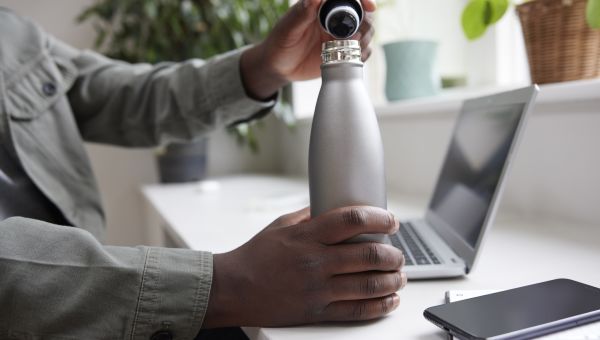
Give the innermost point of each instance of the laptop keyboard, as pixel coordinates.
(416, 252)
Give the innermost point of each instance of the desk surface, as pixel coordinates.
(220, 215)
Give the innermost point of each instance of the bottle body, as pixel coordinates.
(346, 163)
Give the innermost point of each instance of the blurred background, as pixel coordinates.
(429, 55)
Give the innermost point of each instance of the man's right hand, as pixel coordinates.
(298, 271)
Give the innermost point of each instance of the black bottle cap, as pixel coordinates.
(341, 18)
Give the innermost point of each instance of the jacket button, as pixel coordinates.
(162, 335)
(49, 89)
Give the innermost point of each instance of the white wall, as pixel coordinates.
(429, 20)
(121, 172)
(57, 17)
(555, 173)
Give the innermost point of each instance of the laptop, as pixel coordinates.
(445, 243)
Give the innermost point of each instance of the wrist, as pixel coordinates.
(260, 79)
(223, 301)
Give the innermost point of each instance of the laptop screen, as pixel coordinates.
(474, 162)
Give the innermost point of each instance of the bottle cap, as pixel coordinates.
(341, 51)
(341, 18)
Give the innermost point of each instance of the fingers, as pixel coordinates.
(307, 11)
(300, 17)
(365, 54)
(365, 35)
(362, 257)
(362, 309)
(369, 5)
(342, 224)
(303, 14)
(366, 285)
(366, 32)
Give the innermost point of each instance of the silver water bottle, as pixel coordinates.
(346, 165)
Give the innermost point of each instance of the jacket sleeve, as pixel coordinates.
(143, 105)
(61, 283)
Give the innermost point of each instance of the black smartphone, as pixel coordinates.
(521, 313)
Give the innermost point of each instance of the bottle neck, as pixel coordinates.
(341, 71)
(341, 51)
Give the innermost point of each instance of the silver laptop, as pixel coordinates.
(446, 241)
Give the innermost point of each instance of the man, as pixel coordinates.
(57, 280)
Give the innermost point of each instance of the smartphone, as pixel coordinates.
(521, 313)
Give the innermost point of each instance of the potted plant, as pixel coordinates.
(410, 61)
(561, 36)
(176, 30)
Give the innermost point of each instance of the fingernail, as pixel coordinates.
(396, 221)
(404, 280)
(396, 301)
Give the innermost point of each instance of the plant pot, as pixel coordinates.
(183, 162)
(560, 44)
(411, 70)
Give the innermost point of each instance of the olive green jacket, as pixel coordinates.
(61, 282)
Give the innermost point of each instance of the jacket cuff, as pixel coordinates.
(227, 93)
(174, 293)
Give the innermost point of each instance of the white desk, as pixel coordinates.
(219, 216)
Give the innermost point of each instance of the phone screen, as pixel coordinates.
(518, 309)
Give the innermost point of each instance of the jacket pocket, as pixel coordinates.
(39, 85)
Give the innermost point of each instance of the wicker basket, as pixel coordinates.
(560, 45)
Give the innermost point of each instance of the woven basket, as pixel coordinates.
(560, 44)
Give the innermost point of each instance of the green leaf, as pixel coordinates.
(150, 9)
(86, 14)
(100, 36)
(498, 8)
(593, 13)
(474, 18)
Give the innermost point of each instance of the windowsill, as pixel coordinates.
(451, 100)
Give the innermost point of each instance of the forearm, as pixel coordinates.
(144, 105)
(61, 281)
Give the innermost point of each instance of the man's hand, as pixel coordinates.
(297, 271)
(292, 51)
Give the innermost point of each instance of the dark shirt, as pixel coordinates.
(19, 196)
